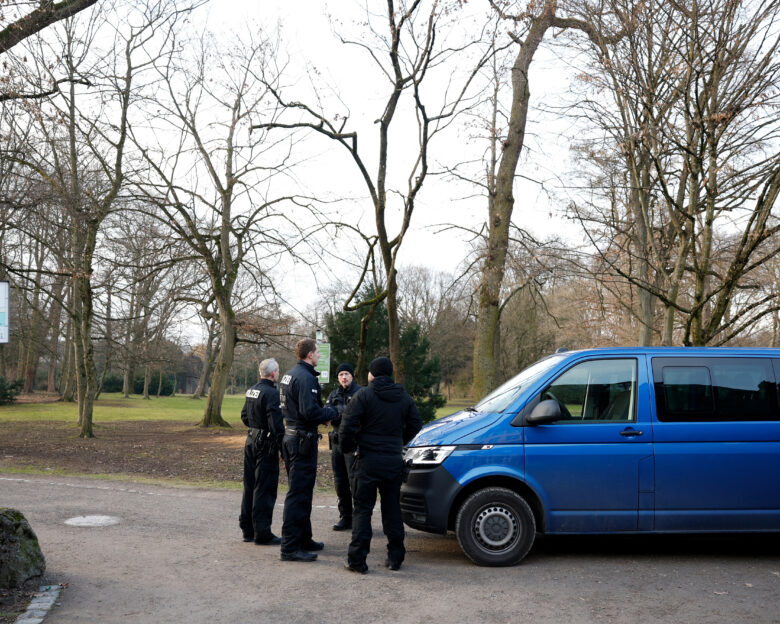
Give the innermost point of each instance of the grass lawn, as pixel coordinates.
(453, 406)
(113, 407)
(149, 441)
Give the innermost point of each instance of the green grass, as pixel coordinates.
(453, 406)
(114, 407)
(111, 407)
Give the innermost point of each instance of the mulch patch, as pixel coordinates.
(156, 449)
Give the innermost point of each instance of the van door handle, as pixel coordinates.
(630, 433)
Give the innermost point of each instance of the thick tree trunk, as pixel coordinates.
(212, 416)
(500, 209)
(208, 364)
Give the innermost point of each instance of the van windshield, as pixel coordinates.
(503, 396)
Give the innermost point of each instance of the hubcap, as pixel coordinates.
(496, 527)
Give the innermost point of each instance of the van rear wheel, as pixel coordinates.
(495, 527)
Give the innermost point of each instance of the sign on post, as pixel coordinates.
(323, 366)
(5, 305)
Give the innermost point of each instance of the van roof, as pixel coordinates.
(689, 351)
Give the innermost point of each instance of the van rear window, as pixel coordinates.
(715, 389)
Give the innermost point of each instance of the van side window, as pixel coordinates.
(596, 391)
(715, 389)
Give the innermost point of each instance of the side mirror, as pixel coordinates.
(545, 412)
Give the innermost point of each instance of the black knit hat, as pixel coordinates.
(344, 366)
(381, 366)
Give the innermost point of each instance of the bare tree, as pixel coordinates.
(693, 118)
(407, 52)
(81, 154)
(532, 24)
(210, 188)
(44, 13)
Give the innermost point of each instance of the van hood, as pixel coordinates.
(452, 428)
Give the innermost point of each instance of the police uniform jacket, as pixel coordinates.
(262, 410)
(381, 418)
(340, 398)
(301, 398)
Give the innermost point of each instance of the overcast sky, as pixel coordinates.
(347, 73)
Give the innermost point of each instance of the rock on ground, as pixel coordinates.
(20, 554)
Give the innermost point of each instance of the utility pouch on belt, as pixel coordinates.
(307, 444)
(252, 434)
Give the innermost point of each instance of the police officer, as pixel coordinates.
(379, 420)
(301, 399)
(263, 415)
(341, 462)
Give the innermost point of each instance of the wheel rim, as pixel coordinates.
(496, 528)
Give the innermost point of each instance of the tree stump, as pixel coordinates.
(20, 554)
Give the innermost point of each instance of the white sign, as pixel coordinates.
(4, 307)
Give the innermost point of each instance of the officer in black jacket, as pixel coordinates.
(340, 461)
(263, 415)
(301, 398)
(378, 422)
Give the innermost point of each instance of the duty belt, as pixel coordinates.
(297, 432)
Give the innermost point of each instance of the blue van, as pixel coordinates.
(635, 440)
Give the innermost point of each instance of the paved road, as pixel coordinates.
(176, 556)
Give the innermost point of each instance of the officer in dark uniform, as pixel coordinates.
(263, 415)
(341, 462)
(378, 422)
(301, 399)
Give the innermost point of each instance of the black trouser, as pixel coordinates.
(261, 479)
(342, 475)
(301, 474)
(372, 473)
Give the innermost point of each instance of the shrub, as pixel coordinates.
(113, 383)
(9, 390)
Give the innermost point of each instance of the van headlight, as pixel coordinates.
(428, 455)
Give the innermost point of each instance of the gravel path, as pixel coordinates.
(176, 556)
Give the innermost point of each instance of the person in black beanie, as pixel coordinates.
(378, 422)
(341, 462)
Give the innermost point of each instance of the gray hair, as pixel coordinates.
(268, 367)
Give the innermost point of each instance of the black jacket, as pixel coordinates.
(262, 410)
(301, 399)
(340, 398)
(381, 418)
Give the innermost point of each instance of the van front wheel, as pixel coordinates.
(495, 527)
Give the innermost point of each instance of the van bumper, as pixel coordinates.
(426, 498)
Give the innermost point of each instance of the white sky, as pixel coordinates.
(308, 38)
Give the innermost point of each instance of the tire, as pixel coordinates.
(495, 527)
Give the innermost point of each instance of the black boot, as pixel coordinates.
(344, 524)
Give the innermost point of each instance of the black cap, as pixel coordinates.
(345, 366)
(381, 366)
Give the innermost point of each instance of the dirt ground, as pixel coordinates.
(169, 450)
(163, 450)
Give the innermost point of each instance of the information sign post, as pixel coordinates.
(323, 366)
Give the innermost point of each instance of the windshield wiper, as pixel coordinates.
(470, 408)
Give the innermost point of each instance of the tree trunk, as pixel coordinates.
(147, 379)
(67, 368)
(210, 357)
(500, 212)
(212, 416)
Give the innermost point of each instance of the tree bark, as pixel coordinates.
(500, 209)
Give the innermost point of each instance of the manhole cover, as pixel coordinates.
(92, 521)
